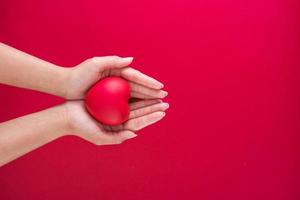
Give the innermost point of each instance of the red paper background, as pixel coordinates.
(232, 71)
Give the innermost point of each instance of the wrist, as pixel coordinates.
(61, 81)
(60, 120)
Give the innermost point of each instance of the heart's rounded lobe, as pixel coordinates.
(107, 100)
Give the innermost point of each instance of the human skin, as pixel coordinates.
(23, 70)
(24, 134)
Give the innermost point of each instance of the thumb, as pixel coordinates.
(109, 62)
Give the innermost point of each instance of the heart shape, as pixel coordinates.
(107, 100)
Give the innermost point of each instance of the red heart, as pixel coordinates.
(107, 100)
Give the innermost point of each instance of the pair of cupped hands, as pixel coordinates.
(144, 112)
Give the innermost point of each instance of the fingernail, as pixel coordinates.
(161, 85)
(163, 115)
(127, 59)
(164, 93)
(158, 84)
(165, 105)
(159, 117)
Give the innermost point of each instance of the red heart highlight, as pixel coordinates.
(107, 100)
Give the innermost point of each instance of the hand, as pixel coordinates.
(142, 113)
(84, 75)
(24, 134)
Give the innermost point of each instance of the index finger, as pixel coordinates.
(140, 78)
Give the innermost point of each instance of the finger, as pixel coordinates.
(141, 122)
(110, 62)
(116, 128)
(109, 138)
(138, 77)
(148, 109)
(143, 103)
(155, 93)
(140, 96)
(107, 128)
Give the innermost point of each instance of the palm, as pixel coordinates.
(142, 114)
(89, 72)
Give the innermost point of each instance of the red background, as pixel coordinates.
(231, 68)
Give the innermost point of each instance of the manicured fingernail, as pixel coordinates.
(158, 85)
(163, 115)
(165, 105)
(127, 59)
(164, 93)
(159, 117)
(161, 85)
